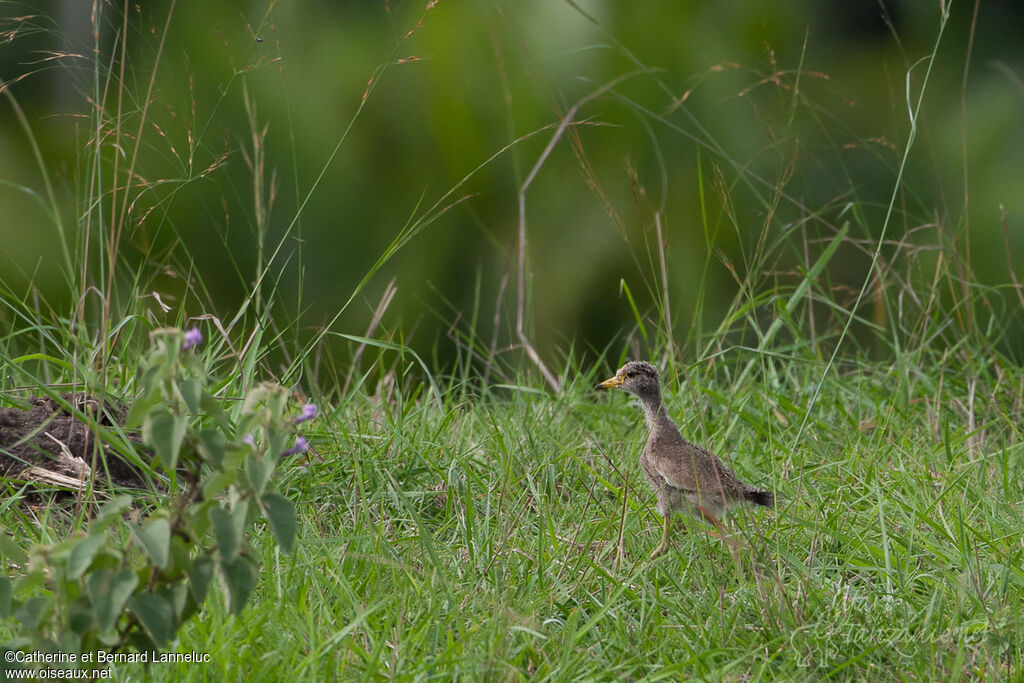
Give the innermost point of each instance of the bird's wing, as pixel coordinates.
(672, 460)
(689, 467)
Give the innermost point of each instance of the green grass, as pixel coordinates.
(478, 538)
(465, 520)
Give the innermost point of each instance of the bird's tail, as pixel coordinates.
(759, 497)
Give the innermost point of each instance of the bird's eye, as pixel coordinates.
(631, 373)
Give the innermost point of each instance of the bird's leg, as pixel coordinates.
(708, 517)
(663, 546)
(721, 533)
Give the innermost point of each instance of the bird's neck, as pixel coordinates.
(654, 409)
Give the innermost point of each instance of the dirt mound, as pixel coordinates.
(50, 444)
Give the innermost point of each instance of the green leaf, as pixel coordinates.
(200, 576)
(247, 424)
(257, 471)
(177, 597)
(228, 527)
(11, 550)
(179, 559)
(31, 613)
(283, 522)
(214, 409)
(212, 446)
(240, 515)
(165, 432)
(216, 482)
(196, 519)
(30, 582)
(277, 399)
(110, 512)
(156, 616)
(168, 342)
(70, 640)
(249, 360)
(149, 399)
(155, 539)
(109, 593)
(81, 615)
(278, 444)
(191, 391)
(239, 577)
(5, 597)
(190, 607)
(254, 397)
(82, 554)
(59, 362)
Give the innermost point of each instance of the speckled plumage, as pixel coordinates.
(685, 476)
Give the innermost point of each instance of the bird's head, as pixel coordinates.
(637, 377)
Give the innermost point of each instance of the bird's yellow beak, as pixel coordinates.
(609, 383)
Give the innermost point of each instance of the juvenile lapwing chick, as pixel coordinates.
(685, 476)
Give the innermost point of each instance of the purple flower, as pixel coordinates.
(248, 438)
(193, 337)
(301, 446)
(308, 413)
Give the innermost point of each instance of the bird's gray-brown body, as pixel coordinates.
(686, 477)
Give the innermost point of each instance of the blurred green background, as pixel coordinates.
(718, 106)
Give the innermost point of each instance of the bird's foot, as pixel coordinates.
(659, 551)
